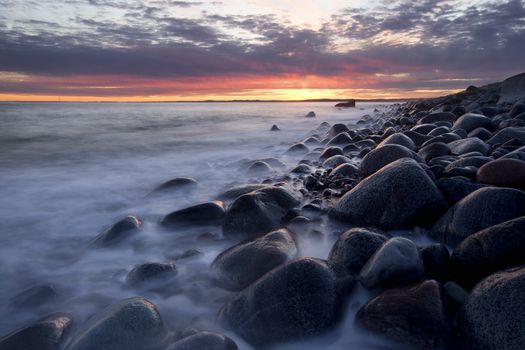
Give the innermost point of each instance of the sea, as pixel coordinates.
(70, 170)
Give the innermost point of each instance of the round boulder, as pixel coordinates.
(399, 139)
(120, 231)
(481, 209)
(210, 213)
(242, 264)
(381, 156)
(436, 149)
(471, 121)
(399, 195)
(204, 341)
(397, 262)
(503, 173)
(150, 273)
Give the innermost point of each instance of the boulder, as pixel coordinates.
(330, 152)
(33, 297)
(470, 144)
(274, 128)
(123, 229)
(131, 324)
(302, 169)
(345, 170)
(508, 134)
(294, 301)
(481, 209)
(512, 88)
(437, 117)
(349, 103)
(493, 249)
(335, 161)
(399, 195)
(242, 264)
(354, 247)
(434, 150)
(423, 128)
(258, 212)
(399, 139)
(340, 139)
(503, 173)
(210, 213)
(494, 314)
(337, 129)
(480, 133)
(297, 149)
(178, 183)
(413, 316)
(457, 187)
(381, 156)
(259, 167)
(151, 273)
(45, 334)
(310, 114)
(439, 131)
(471, 121)
(238, 191)
(397, 262)
(204, 341)
(418, 138)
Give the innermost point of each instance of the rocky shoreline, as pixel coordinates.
(431, 194)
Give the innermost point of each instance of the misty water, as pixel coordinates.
(68, 171)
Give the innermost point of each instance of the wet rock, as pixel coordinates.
(34, 296)
(381, 156)
(487, 251)
(237, 191)
(337, 129)
(258, 212)
(302, 169)
(335, 161)
(471, 144)
(294, 301)
(151, 273)
(508, 134)
(423, 128)
(346, 170)
(354, 247)
(131, 324)
(274, 128)
(45, 334)
(178, 183)
(296, 149)
(330, 152)
(480, 133)
(242, 264)
(455, 292)
(340, 139)
(436, 117)
(210, 213)
(123, 229)
(481, 209)
(436, 259)
(475, 161)
(398, 195)
(413, 316)
(457, 187)
(204, 341)
(503, 173)
(439, 131)
(434, 150)
(517, 108)
(310, 114)
(349, 103)
(399, 139)
(494, 314)
(417, 138)
(397, 262)
(471, 121)
(259, 167)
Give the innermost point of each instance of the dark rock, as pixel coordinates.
(518, 108)
(475, 161)
(481, 133)
(423, 128)
(298, 148)
(242, 264)
(337, 129)
(204, 341)
(438, 116)
(508, 134)
(210, 213)
(434, 150)
(413, 316)
(349, 103)
(34, 297)
(260, 167)
(330, 152)
(481, 209)
(398, 195)
(274, 128)
(417, 138)
(494, 314)
(398, 139)
(335, 161)
(487, 251)
(151, 273)
(237, 191)
(131, 324)
(346, 170)
(340, 139)
(178, 183)
(381, 156)
(397, 262)
(439, 131)
(503, 173)
(471, 144)
(45, 334)
(436, 259)
(302, 169)
(456, 188)
(120, 231)
(258, 212)
(294, 301)
(455, 292)
(471, 121)
(355, 247)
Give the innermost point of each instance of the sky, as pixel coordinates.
(166, 50)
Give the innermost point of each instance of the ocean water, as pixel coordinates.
(68, 171)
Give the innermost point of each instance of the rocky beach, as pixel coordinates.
(421, 204)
